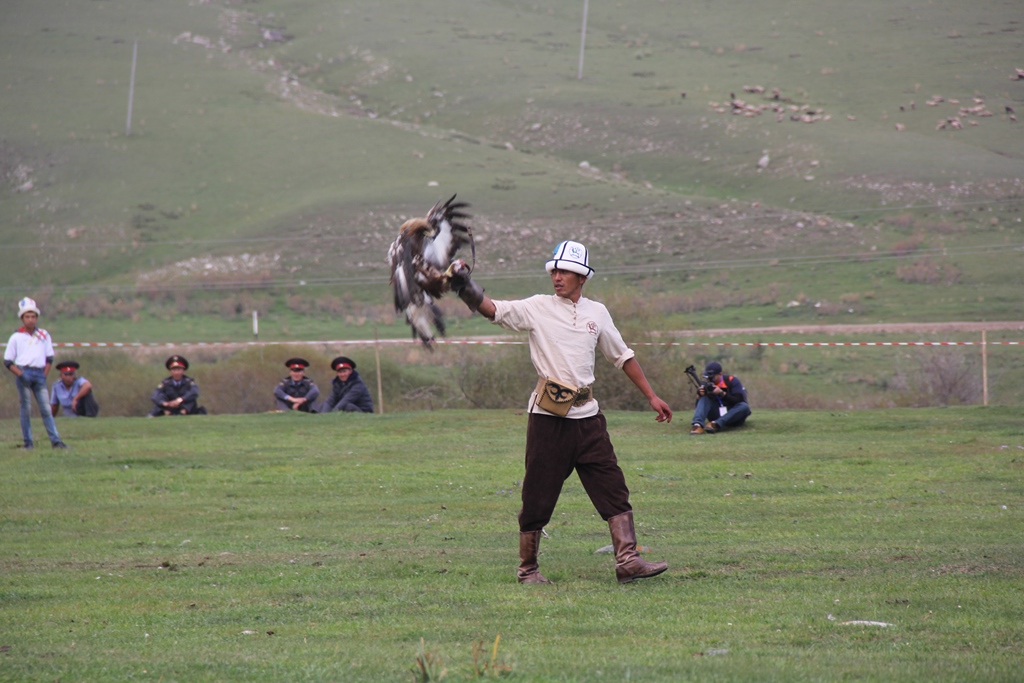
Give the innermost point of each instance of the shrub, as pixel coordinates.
(503, 380)
(907, 246)
(927, 272)
(944, 377)
(903, 221)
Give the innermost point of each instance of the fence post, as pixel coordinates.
(583, 39)
(131, 90)
(984, 369)
(380, 383)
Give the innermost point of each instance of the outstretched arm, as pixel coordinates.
(487, 308)
(636, 375)
(470, 292)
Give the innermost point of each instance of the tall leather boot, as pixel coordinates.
(529, 543)
(629, 566)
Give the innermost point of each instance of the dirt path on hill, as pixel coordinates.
(879, 328)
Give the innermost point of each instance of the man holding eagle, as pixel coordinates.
(566, 430)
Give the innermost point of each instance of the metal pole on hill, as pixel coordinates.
(131, 89)
(583, 39)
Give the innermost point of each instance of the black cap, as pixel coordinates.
(341, 362)
(176, 360)
(68, 364)
(297, 363)
(712, 368)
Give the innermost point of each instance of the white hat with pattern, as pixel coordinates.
(571, 256)
(27, 305)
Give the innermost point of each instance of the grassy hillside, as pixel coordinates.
(276, 146)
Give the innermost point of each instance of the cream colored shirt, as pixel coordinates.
(563, 339)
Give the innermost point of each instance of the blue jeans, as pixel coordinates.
(33, 381)
(707, 411)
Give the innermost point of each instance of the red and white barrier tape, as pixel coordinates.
(940, 343)
(501, 342)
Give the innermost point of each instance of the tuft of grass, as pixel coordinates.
(492, 666)
(429, 666)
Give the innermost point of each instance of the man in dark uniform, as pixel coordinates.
(296, 391)
(178, 394)
(348, 391)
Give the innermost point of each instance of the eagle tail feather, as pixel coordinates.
(438, 319)
(423, 319)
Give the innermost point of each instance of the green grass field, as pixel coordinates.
(295, 548)
(271, 176)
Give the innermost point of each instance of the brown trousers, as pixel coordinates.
(555, 446)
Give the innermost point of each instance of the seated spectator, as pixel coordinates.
(296, 391)
(72, 395)
(721, 402)
(348, 392)
(178, 394)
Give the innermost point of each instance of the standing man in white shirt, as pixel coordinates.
(566, 429)
(29, 356)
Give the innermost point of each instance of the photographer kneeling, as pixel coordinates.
(721, 402)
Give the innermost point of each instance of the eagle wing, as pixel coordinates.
(420, 258)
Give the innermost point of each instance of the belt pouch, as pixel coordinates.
(555, 396)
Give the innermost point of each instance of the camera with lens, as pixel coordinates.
(701, 385)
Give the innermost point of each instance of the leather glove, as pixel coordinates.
(470, 292)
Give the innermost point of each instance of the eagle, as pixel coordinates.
(421, 260)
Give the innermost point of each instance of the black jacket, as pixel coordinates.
(734, 391)
(167, 391)
(351, 396)
(304, 388)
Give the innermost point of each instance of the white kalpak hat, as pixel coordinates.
(571, 256)
(27, 305)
